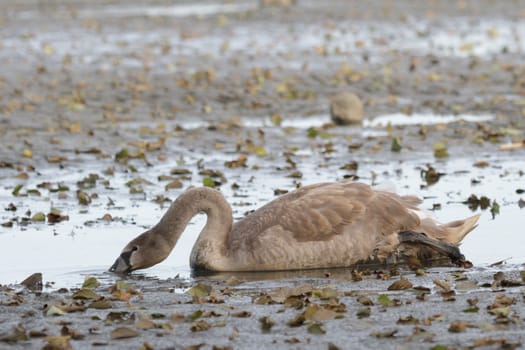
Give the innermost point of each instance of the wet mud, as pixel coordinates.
(108, 110)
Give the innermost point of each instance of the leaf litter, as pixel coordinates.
(319, 305)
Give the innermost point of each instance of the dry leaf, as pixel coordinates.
(458, 326)
(85, 293)
(33, 282)
(401, 284)
(324, 314)
(385, 334)
(57, 342)
(123, 332)
(144, 323)
(199, 290)
(443, 285)
(200, 326)
(266, 323)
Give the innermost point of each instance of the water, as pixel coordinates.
(86, 245)
(133, 10)
(454, 38)
(370, 126)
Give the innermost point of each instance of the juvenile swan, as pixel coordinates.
(318, 226)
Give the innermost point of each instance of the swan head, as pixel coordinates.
(142, 252)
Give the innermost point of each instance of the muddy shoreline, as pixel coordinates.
(104, 104)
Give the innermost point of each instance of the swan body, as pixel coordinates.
(323, 225)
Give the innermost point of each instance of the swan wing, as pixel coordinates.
(323, 211)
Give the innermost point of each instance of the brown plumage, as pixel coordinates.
(318, 226)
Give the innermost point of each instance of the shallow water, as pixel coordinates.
(370, 127)
(85, 245)
(456, 37)
(132, 10)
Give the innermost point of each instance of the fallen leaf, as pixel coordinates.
(431, 175)
(385, 334)
(316, 328)
(122, 291)
(193, 316)
(173, 185)
(458, 327)
(500, 311)
(481, 164)
(364, 312)
(199, 290)
(83, 198)
(396, 144)
(264, 300)
(242, 314)
(233, 281)
(297, 320)
(384, 300)
(27, 153)
(144, 323)
(54, 311)
(266, 323)
(33, 282)
(55, 216)
(180, 171)
(208, 182)
(440, 150)
(123, 332)
(401, 284)
(100, 304)
(72, 333)
(85, 293)
(365, 300)
(57, 342)
(408, 320)
(443, 285)
(325, 293)
(16, 191)
(199, 326)
(39, 217)
(323, 315)
(120, 317)
(55, 159)
(237, 163)
(494, 209)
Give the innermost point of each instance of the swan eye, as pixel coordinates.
(135, 248)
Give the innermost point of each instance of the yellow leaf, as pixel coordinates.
(261, 152)
(85, 293)
(492, 33)
(75, 106)
(27, 153)
(434, 77)
(48, 49)
(58, 342)
(199, 290)
(75, 128)
(467, 47)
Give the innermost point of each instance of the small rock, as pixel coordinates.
(346, 108)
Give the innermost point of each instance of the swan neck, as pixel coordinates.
(211, 242)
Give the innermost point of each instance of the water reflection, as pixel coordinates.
(66, 252)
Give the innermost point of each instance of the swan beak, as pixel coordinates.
(121, 265)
